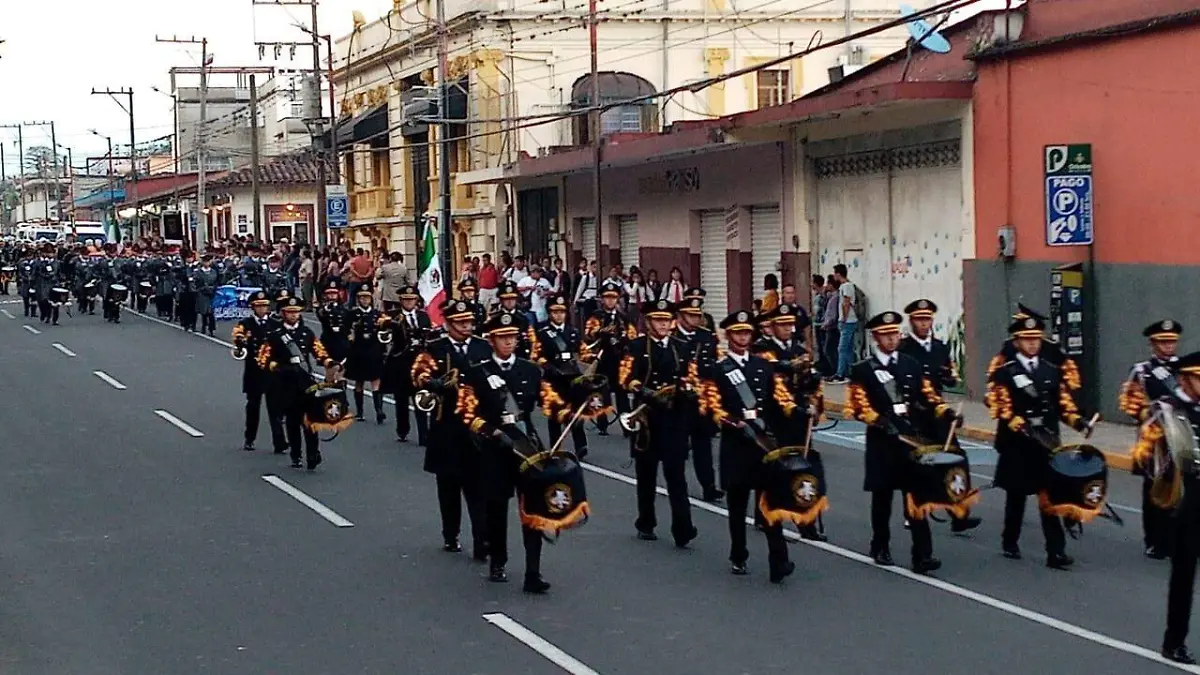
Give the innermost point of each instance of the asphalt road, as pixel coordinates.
(129, 545)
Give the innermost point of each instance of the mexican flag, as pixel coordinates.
(429, 270)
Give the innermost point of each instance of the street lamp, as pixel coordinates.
(111, 201)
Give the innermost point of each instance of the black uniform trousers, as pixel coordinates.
(1014, 513)
(881, 531)
(701, 443)
(1186, 547)
(187, 310)
(578, 436)
(292, 404)
(496, 513)
(208, 322)
(1156, 522)
(142, 302)
(737, 500)
(452, 490)
(403, 418)
(47, 311)
(645, 467)
(619, 398)
(25, 299)
(254, 401)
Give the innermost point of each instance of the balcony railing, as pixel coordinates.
(376, 202)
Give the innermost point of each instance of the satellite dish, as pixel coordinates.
(923, 33)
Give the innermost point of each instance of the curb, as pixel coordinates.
(1115, 460)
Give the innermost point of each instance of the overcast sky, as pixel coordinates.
(56, 51)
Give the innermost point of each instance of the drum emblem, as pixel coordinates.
(333, 410)
(957, 483)
(804, 489)
(558, 498)
(1093, 493)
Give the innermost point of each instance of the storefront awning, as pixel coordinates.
(363, 127)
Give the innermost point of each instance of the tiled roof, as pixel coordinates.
(291, 170)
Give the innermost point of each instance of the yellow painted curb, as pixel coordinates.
(1116, 460)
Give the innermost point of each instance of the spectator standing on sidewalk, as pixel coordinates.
(829, 325)
(307, 268)
(770, 298)
(847, 323)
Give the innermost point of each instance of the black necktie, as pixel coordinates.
(505, 366)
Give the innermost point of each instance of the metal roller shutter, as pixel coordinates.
(627, 227)
(766, 243)
(587, 227)
(712, 262)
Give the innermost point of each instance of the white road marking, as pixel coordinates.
(7, 313)
(109, 379)
(31, 329)
(183, 426)
(320, 509)
(965, 593)
(59, 346)
(538, 644)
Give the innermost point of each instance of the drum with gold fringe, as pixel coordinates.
(938, 481)
(793, 488)
(327, 409)
(552, 496)
(1076, 484)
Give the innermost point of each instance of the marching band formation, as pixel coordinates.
(475, 382)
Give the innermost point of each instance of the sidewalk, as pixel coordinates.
(1112, 438)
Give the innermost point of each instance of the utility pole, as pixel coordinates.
(111, 202)
(20, 165)
(54, 153)
(132, 196)
(594, 120)
(443, 80)
(201, 220)
(254, 187)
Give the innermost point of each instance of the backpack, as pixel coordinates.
(860, 303)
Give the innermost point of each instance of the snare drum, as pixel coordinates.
(145, 289)
(59, 296)
(552, 496)
(793, 490)
(116, 293)
(938, 481)
(327, 409)
(1076, 483)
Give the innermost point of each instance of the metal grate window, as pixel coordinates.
(947, 153)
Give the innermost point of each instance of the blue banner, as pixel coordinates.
(232, 303)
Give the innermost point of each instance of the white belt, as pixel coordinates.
(566, 356)
(336, 329)
(508, 418)
(900, 408)
(1036, 421)
(751, 414)
(294, 359)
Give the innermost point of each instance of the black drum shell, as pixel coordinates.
(1071, 475)
(931, 476)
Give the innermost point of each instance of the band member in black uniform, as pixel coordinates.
(1051, 352)
(368, 329)
(1167, 437)
(274, 279)
(742, 390)
(1149, 381)
(186, 285)
(696, 292)
(794, 364)
(935, 360)
(206, 290)
(509, 295)
(410, 326)
(46, 270)
(891, 395)
(164, 288)
(503, 391)
(656, 369)
(288, 354)
(450, 454)
(469, 291)
(335, 321)
(605, 334)
(249, 335)
(1028, 396)
(555, 348)
(27, 281)
(108, 271)
(701, 347)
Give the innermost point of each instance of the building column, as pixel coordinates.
(714, 65)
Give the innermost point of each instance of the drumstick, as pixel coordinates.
(567, 429)
(953, 428)
(808, 437)
(1092, 425)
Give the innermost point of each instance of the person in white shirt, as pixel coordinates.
(673, 290)
(517, 272)
(585, 293)
(540, 288)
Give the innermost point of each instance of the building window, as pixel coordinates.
(297, 109)
(624, 119)
(773, 88)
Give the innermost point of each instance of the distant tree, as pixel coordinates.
(39, 160)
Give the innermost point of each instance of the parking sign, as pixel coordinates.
(337, 206)
(1069, 209)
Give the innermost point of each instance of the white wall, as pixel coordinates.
(243, 203)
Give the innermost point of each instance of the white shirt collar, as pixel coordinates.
(291, 326)
(505, 362)
(926, 342)
(884, 358)
(1030, 362)
(557, 327)
(666, 341)
(739, 359)
(685, 332)
(781, 343)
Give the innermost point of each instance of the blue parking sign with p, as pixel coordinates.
(1070, 217)
(337, 210)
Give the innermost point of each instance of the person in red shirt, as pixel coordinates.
(489, 281)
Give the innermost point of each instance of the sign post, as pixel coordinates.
(1069, 208)
(337, 206)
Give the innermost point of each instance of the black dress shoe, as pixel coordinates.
(603, 432)
(647, 535)
(402, 439)
(1180, 654)
(360, 417)
(1059, 561)
(581, 453)
(964, 524)
(297, 464)
(713, 494)
(314, 463)
(248, 447)
(380, 418)
(479, 554)
(811, 533)
(907, 525)
(780, 573)
(279, 451)
(883, 558)
(1156, 553)
(536, 585)
(452, 546)
(738, 569)
(1012, 552)
(685, 538)
(497, 574)
(926, 565)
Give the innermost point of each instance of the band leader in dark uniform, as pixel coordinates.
(410, 326)
(509, 295)
(701, 344)
(556, 347)
(369, 329)
(1028, 396)
(891, 395)
(655, 369)
(606, 333)
(334, 318)
(1149, 381)
(249, 335)
(501, 392)
(450, 454)
(742, 390)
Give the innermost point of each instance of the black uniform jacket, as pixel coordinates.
(253, 333)
(647, 366)
(803, 384)
(448, 450)
(290, 356)
(614, 331)
(409, 334)
(740, 456)
(893, 401)
(496, 400)
(1028, 407)
(526, 337)
(335, 329)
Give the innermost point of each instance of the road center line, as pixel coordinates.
(320, 509)
(538, 644)
(965, 593)
(109, 379)
(7, 313)
(31, 329)
(60, 347)
(183, 426)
